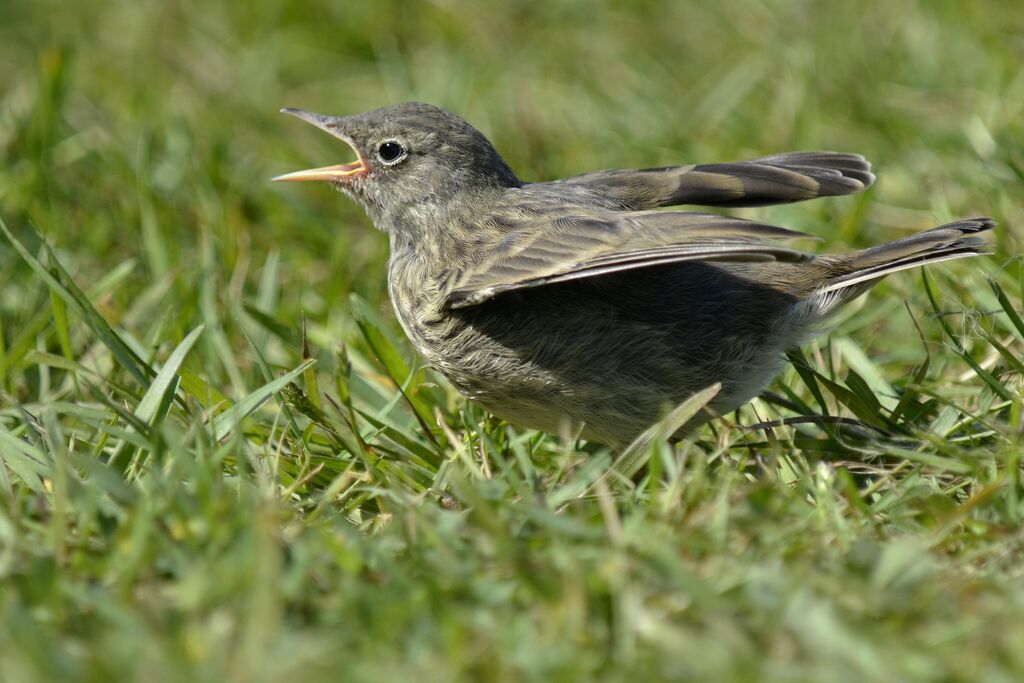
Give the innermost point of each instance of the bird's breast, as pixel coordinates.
(461, 347)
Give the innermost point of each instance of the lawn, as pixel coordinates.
(220, 459)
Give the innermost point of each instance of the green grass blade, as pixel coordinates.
(25, 460)
(807, 374)
(1008, 307)
(166, 381)
(268, 376)
(60, 323)
(984, 374)
(867, 372)
(227, 421)
(61, 283)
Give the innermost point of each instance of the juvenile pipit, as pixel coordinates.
(574, 299)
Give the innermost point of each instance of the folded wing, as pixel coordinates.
(571, 247)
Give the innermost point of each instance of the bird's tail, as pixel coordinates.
(851, 275)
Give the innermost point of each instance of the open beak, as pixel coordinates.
(329, 173)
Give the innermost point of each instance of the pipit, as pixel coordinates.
(575, 300)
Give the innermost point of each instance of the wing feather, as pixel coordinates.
(776, 179)
(570, 247)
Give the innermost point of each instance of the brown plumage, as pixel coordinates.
(575, 300)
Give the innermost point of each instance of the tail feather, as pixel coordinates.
(952, 241)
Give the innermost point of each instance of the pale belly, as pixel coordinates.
(611, 354)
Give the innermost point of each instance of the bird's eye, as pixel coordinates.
(391, 152)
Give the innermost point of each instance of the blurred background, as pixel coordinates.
(148, 130)
(139, 137)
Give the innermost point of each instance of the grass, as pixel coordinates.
(220, 459)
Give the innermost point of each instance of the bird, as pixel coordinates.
(578, 301)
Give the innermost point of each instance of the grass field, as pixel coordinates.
(221, 461)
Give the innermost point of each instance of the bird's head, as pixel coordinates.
(408, 157)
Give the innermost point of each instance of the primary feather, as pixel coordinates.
(777, 179)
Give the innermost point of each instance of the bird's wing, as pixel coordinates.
(777, 179)
(571, 247)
